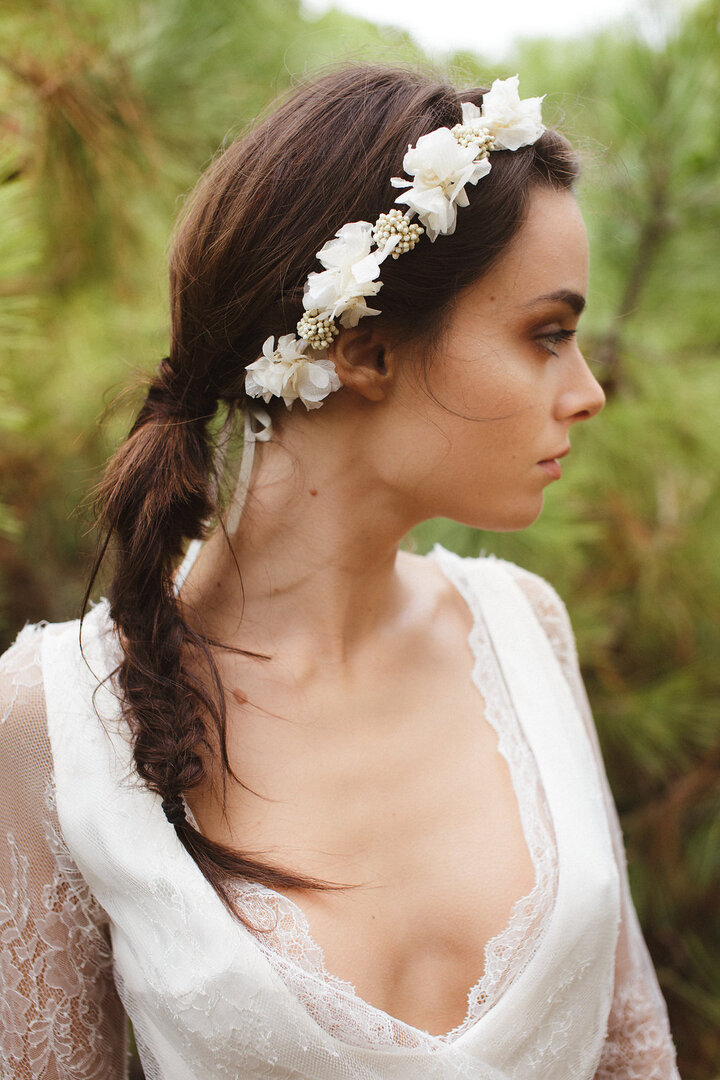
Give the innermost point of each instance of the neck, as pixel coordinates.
(316, 546)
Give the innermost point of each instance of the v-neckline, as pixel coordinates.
(539, 840)
(158, 900)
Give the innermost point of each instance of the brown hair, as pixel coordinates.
(242, 251)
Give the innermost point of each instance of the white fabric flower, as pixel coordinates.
(288, 372)
(350, 275)
(440, 168)
(513, 123)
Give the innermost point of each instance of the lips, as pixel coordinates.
(556, 457)
(552, 465)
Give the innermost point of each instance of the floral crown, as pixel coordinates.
(441, 164)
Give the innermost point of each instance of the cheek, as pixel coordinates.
(498, 408)
(470, 418)
(492, 382)
(479, 389)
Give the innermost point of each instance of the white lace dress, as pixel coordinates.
(100, 904)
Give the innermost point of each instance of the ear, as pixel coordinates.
(361, 361)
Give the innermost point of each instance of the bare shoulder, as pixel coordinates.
(545, 602)
(541, 595)
(434, 592)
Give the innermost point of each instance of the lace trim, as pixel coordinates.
(283, 932)
(508, 953)
(638, 1046)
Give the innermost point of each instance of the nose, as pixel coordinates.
(582, 396)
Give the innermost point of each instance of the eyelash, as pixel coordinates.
(557, 336)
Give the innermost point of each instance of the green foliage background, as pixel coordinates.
(107, 114)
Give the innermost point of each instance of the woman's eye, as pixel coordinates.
(556, 337)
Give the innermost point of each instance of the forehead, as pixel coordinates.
(548, 255)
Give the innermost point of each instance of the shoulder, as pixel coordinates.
(544, 602)
(24, 741)
(23, 671)
(539, 593)
(47, 686)
(48, 889)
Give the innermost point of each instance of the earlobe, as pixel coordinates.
(360, 359)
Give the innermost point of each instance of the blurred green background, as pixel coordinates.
(107, 114)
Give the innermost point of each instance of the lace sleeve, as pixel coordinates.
(638, 1044)
(60, 1017)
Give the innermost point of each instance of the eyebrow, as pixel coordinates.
(572, 299)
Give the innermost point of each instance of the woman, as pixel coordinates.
(311, 806)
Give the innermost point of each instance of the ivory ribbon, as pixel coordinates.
(257, 427)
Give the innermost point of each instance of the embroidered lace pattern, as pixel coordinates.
(60, 1016)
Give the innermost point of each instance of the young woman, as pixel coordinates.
(311, 806)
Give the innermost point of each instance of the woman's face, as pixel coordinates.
(480, 442)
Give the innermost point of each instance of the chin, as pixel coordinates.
(507, 519)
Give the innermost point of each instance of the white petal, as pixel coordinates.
(322, 290)
(317, 379)
(390, 245)
(470, 112)
(482, 168)
(514, 136)
(435, 211)
(355, 233)
(351, 316)
(366, 269)
(352, 242)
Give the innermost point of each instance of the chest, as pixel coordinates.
(396, 788)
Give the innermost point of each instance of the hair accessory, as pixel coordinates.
(174, 810)
(288, 372)
(441, 164)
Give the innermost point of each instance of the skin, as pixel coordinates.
(363, 738)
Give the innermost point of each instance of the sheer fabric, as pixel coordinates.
(60, 1015)
(638, 1042)
(222, 1002)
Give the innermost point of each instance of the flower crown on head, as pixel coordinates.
(441, 164)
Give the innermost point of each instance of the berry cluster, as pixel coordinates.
(394, 223)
